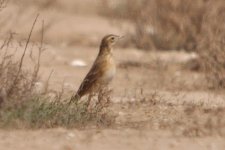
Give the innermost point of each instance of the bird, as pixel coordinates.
(102, 70)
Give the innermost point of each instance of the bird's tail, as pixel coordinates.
(75, 98)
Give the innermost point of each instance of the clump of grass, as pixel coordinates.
(38, 112)
(17, 84)
(211, 47)
(22, 106)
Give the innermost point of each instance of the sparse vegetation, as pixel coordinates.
(38, 112)
(23, 107)
(160, 24)
(177, 25)
(160, 95)
(184, 119)
(211, 46)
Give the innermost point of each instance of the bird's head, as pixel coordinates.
(110, 40)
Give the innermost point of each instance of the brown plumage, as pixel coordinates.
(101, 72)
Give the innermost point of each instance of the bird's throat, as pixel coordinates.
(105, 50)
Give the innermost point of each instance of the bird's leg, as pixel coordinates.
(108, 92)
(99, 105)
(75, 99)
(89, 99)
(104, 96)
(100, 95)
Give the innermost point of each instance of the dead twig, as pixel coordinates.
(37, 66)
(22, 59)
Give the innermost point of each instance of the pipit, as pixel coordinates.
(101, 72)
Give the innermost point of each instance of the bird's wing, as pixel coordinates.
(91, 79)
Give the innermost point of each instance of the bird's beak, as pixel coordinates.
(121, 37)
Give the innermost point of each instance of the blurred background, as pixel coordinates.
(152, 24)
(170, 25)
(169, 83)
(148, 25)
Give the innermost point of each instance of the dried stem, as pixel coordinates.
(46, 83)
(22, 59)
(37, 66)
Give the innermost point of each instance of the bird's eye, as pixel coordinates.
(112, 38)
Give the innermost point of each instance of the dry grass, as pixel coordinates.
(212, 46)
(38, 112)
(184, 119)
(16, 83)
(175, 24)
(160, 24)
(22, 106)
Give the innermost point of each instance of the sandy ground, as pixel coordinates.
(173, 85)
(75, 38)
(61, 139)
